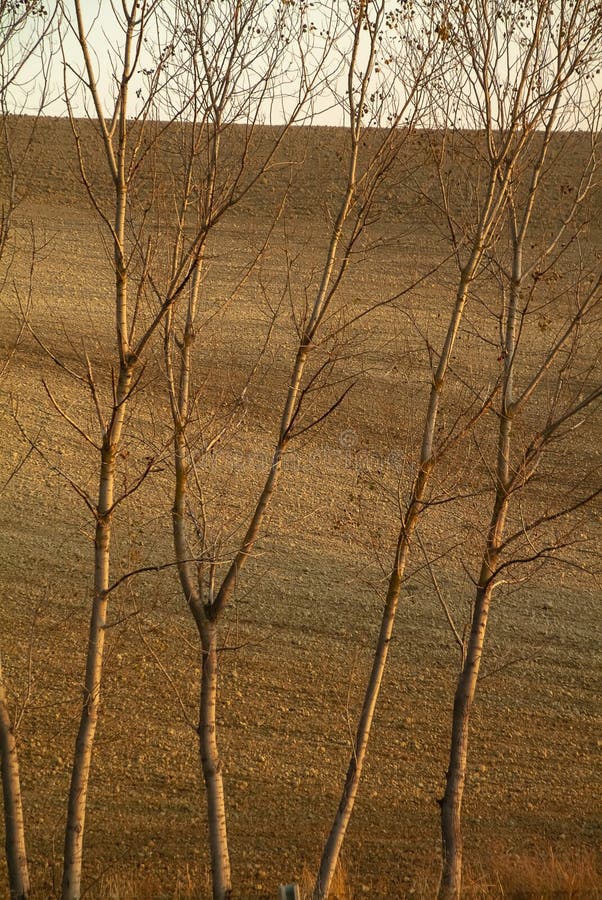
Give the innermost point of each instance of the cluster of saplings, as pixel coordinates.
(503, 80)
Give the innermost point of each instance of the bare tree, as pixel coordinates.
(24, 29)
(199, 77)
(233, 64)
(517, 465)
(558, 46)
(184, 76)
(509, 124)
(127, 133)
(16, 852)
(210, 572)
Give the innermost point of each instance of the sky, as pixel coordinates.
(51, 69)
(61, 62)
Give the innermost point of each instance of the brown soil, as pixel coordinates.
(299, 638)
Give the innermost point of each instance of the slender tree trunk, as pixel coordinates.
(334, 842)
(212, 766)
(332, 848)
(78, 791)
(451, 804)
(487, 220)
(450, 885)
(16, 853)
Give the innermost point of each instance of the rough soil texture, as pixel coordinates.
(299, 638)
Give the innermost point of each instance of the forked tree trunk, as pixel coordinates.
(212, 766)
(16, 853)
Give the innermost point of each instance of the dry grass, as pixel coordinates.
(341, 887)
(545, 875)
(141, 884)
(536, 876)
(137, 884)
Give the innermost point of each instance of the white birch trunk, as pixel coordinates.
(78, 791)
(450, 884)
(334, 842)
(16, 853)
(451, 804)
(212, 766)
(112, 432)
(332, 847)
